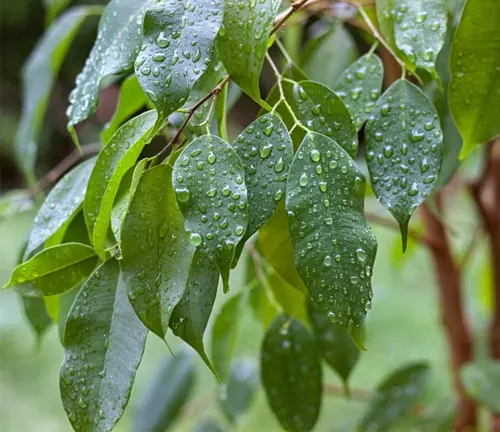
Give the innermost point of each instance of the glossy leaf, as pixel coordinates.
(404, 150)
(115, 159)
(242, 41)
(54, 270)
(60, 206)
(482, 383)
(359, 87)
(178, 45)
(156, 250)
(321, 110)
(104, 343)
(395, 396)
(209, 181)
(166, 394)
(121, 204)
(333, 245)
(291, 374)
(474, 92)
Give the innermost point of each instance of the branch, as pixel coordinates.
(356, 394)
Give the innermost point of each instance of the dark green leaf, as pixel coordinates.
(404, 150)
(54, 270)
(242, 41)
(104, 343)
(156, 250)
(178, 45)
(359, 87)
(291, 374)
(36, 314)
(333, 245)
(394, 397)
(209, 181)
(482, 383)
(66, 300)
(167, 392)
(14, 202)
(474, 93)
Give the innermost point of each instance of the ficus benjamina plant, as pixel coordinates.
(140, 232)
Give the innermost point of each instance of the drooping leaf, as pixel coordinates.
(209, 182)
(15, 202)
(36, 314)
(236, 396)
(266, 150)
(221, 111)
(482, 383)
(104, 342)
(156, 250)
(395, 396)
(60, 206)
(178, 45)
(321, 110)
(242, 41)
(359, 87)
(114, 160)
(292, 300)
(66, 301)
(334, 247)
(474, 92)
(166, 394)
(291, 374)
(404, 150)
(54, 270)
(54, 8)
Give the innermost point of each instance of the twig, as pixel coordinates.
(285, 16)
(356, 394)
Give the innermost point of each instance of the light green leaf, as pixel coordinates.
(114, 160)
(404, 150)
(60, 206)
(54, 8)
(291, 374)
(66, 301)
(474, 92)
(359, 87)
(156, 250)
(37, 316)
(122, 201)
(242, 41)
(482, 383)
(221, 111)
(178, 45)
(54, 270)
(334, 247)
(208, 425)
(104, 343)
(291, 299)
(320, 109)
(15, 202)
(209, 182)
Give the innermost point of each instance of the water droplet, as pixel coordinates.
(195, 239)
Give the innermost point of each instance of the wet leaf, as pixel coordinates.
(66, 300)
(114, 160)
(404, 150)
(121, 203)
(156, 250)
(178, 45)
(37, 316)
(209, 182)
(242, 41)
(474, 92)
(54, 270)
(482, 383)
(359, 87)
(104, 343)
(333, 245)
(166, 394)
(291, 374)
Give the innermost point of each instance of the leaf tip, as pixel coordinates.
(357, 337)
(404, 234)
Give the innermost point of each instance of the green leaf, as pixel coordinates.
(266, 150)
(482, 383)
(291, 374)
(474, 92)
(359, 87)
(404, 150)
(395, 396)
(221, 111)
(236, 397)
(190, 317)
(54, 8)
(54, 270)
(66, 301)
(178, 45)
(242, 41)
(38, 76)
(208, 425)
(224, 334)
(121, 203)
(333, 245)
(156, 250)
(209, 182)
(37, 316)
(114, 160)
(167, 393)
(335, 344)
(320, 109)
(60, 207)
(14, 202)
(290, 298)
(130, 100)
(104, 343)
